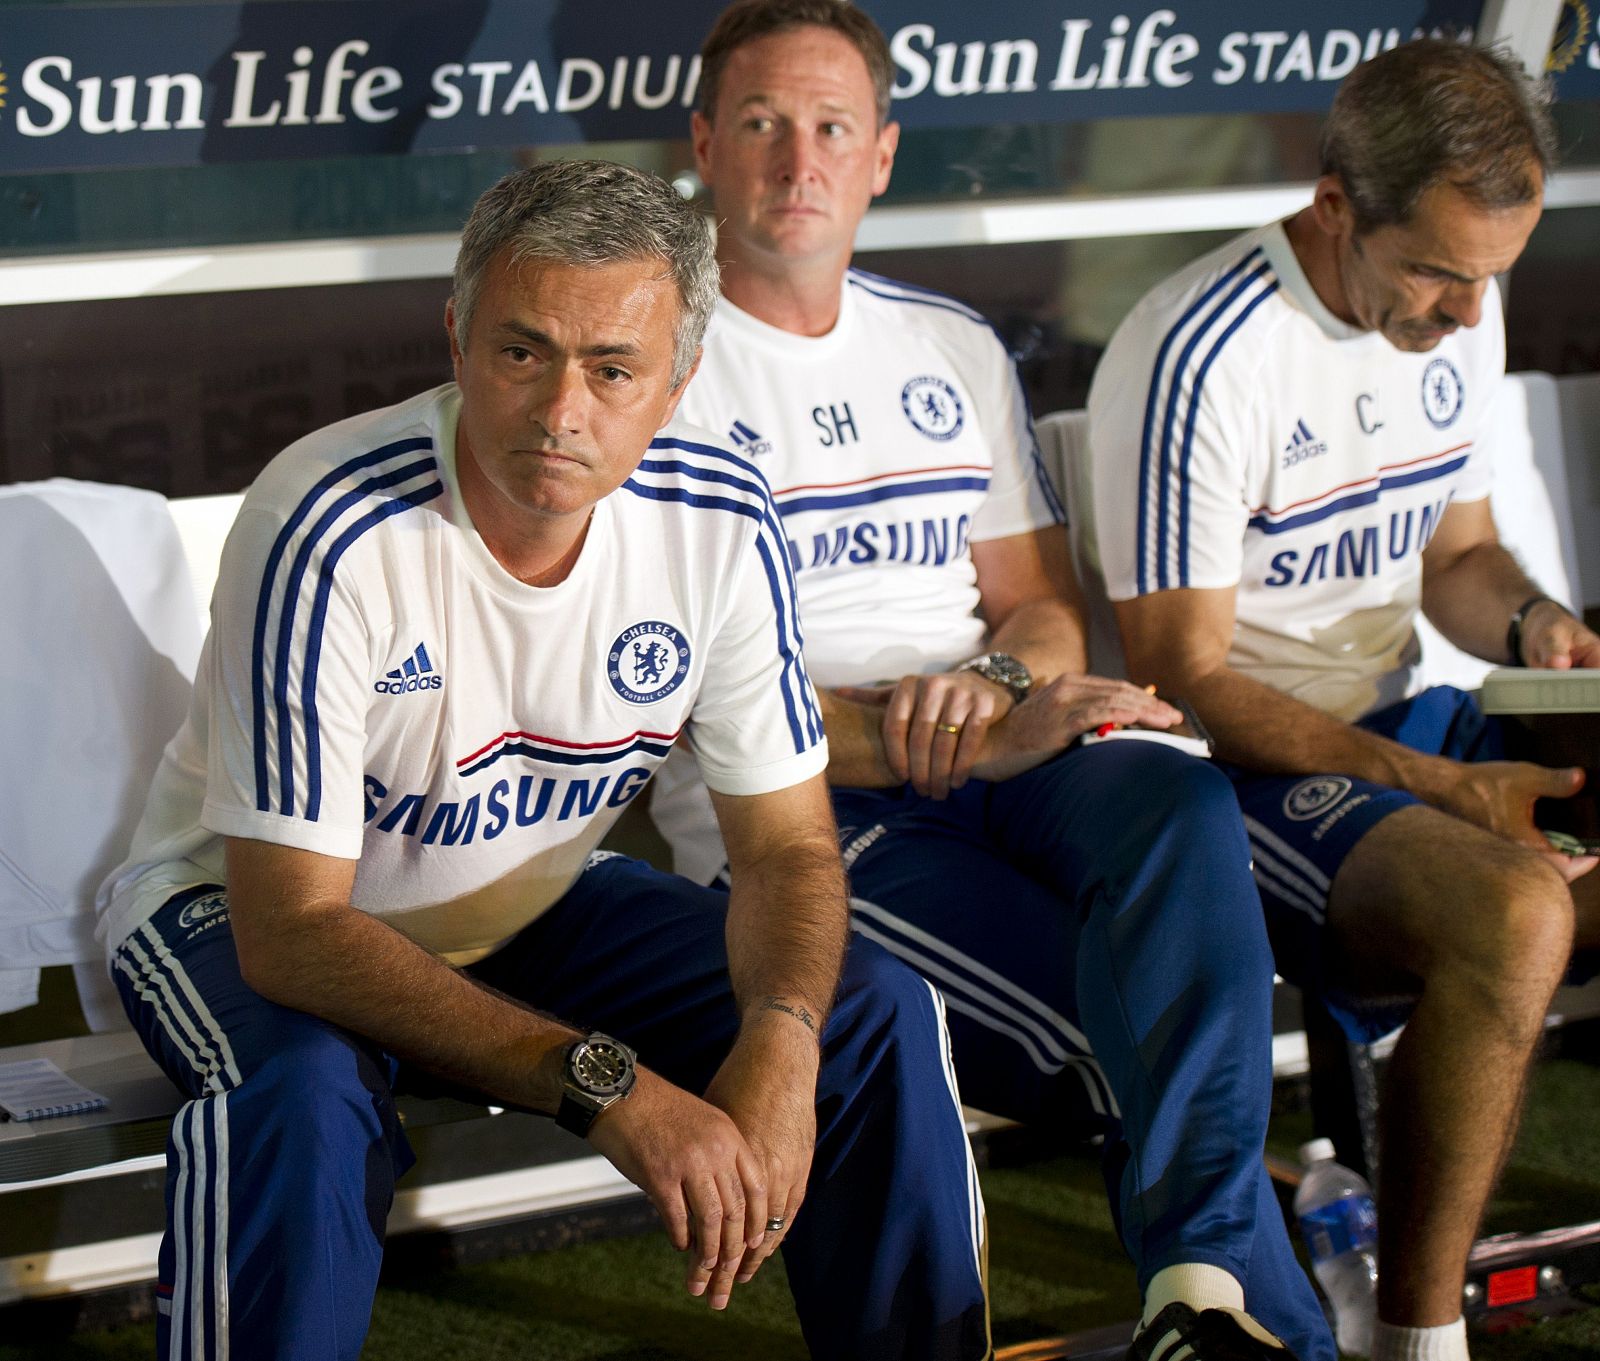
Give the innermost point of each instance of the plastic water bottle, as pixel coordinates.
(1340, 1225)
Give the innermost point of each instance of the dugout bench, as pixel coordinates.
(96, 660)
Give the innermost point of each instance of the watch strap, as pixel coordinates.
(1518, 616)
(574, 1116)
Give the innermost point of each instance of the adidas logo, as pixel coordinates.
(748, 441)
(415, 673)
(1302, 445)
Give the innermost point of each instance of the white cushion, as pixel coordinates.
(203, 523)
(97, 653)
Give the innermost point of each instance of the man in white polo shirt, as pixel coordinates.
(1285, 470)
(451, 640)
(1087, 913)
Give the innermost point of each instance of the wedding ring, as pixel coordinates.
(954, 728)
(775, 1224)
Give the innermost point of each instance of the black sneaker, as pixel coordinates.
(1178, 1333)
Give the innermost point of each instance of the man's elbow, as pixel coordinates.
(262, 973)
(266, 963)
(1146, 661)
(1174, 640)
(1175, 671)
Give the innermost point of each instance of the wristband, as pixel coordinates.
(1514, 631)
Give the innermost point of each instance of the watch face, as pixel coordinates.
(601, 1066)
(1003, 670)
(1013, 673)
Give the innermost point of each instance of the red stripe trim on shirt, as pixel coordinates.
(1361, 481)
(884, 477)
(570, 746)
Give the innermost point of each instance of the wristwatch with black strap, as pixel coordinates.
(1004, 670)
(1519, 617)
(598, 1072)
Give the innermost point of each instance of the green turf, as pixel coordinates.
(1055, 1268)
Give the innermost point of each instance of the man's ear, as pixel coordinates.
(450, 330)
(883, 166)
(676, 395)
(700, 139)
(1334, 213)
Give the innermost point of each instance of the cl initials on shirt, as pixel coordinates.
(836, 424)
(1367, 413)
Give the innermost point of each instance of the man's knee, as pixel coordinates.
(1474, 911)
(1199, 787)
(1199, 803)
(1185, 848)
(320, 1107)
(1186, 804)
(1521, 923)
(321, 1089)
(887, 1006)
(1130, 802)
(885, 985)
(1153, 780)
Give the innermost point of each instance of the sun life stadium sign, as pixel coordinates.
(184, 83)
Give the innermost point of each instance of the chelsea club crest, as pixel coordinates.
(1442, 393)
(647, 661)
(933, 407)
(1310, 797)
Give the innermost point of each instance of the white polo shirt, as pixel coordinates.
(1243, 436)
(892, 444)
(378, 688)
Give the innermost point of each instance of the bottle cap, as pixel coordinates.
(1316, 1151)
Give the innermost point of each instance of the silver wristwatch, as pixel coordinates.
(599, 1072)
(1004, 670)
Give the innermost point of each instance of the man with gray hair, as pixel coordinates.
(1285, 469)
(451, 641)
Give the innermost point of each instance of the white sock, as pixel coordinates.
(1200, 1286)
(1447, 1342)
(1197, 1284)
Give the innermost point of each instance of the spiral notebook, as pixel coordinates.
(35, 1089)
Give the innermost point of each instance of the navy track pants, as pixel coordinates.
(1096, 932)
(282, 1164)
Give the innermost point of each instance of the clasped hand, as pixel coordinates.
(941, 730)
(717, 1169)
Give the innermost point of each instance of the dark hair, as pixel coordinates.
(1436, 110)
(592, 213)
(746, 20)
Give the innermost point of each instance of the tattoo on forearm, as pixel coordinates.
(801, 1014)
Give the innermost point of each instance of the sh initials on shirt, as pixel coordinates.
(836, 425)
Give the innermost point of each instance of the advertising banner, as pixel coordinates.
(89, 85)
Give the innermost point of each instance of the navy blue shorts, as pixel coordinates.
(1302, 827)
